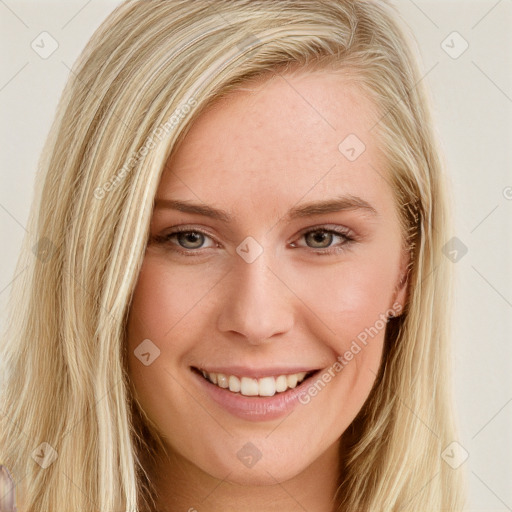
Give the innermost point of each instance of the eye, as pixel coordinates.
(325, 240)
(319, 239)
(187, 239)
(190, 239)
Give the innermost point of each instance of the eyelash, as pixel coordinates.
(343, 233)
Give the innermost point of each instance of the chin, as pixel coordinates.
(259, 475)
(260, 470)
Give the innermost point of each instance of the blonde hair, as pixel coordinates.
(142, 80)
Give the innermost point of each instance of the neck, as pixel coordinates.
(182, 486)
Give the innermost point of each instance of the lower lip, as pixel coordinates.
(255, 408)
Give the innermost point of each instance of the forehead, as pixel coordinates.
(284, 137)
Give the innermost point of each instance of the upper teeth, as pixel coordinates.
(266, 386)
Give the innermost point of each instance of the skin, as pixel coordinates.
(256, 154)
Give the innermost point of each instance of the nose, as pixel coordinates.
(257, 305)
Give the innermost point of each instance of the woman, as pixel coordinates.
(238, 298)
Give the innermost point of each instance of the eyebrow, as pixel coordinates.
(337, 204)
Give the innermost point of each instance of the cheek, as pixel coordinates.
(349, 297)
(352, 300)
(165, 299)
(162, 305)
(163, 310)
(171, 307)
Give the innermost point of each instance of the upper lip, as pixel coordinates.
(256, 373)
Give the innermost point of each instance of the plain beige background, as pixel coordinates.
(472, 94)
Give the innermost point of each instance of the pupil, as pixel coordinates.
(319, 239)
(190, 239)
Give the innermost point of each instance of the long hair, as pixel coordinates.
(69, 431)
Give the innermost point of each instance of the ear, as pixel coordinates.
(401, 295)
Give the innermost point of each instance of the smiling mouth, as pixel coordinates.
(248, 386)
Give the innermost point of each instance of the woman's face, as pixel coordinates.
(275, 252)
